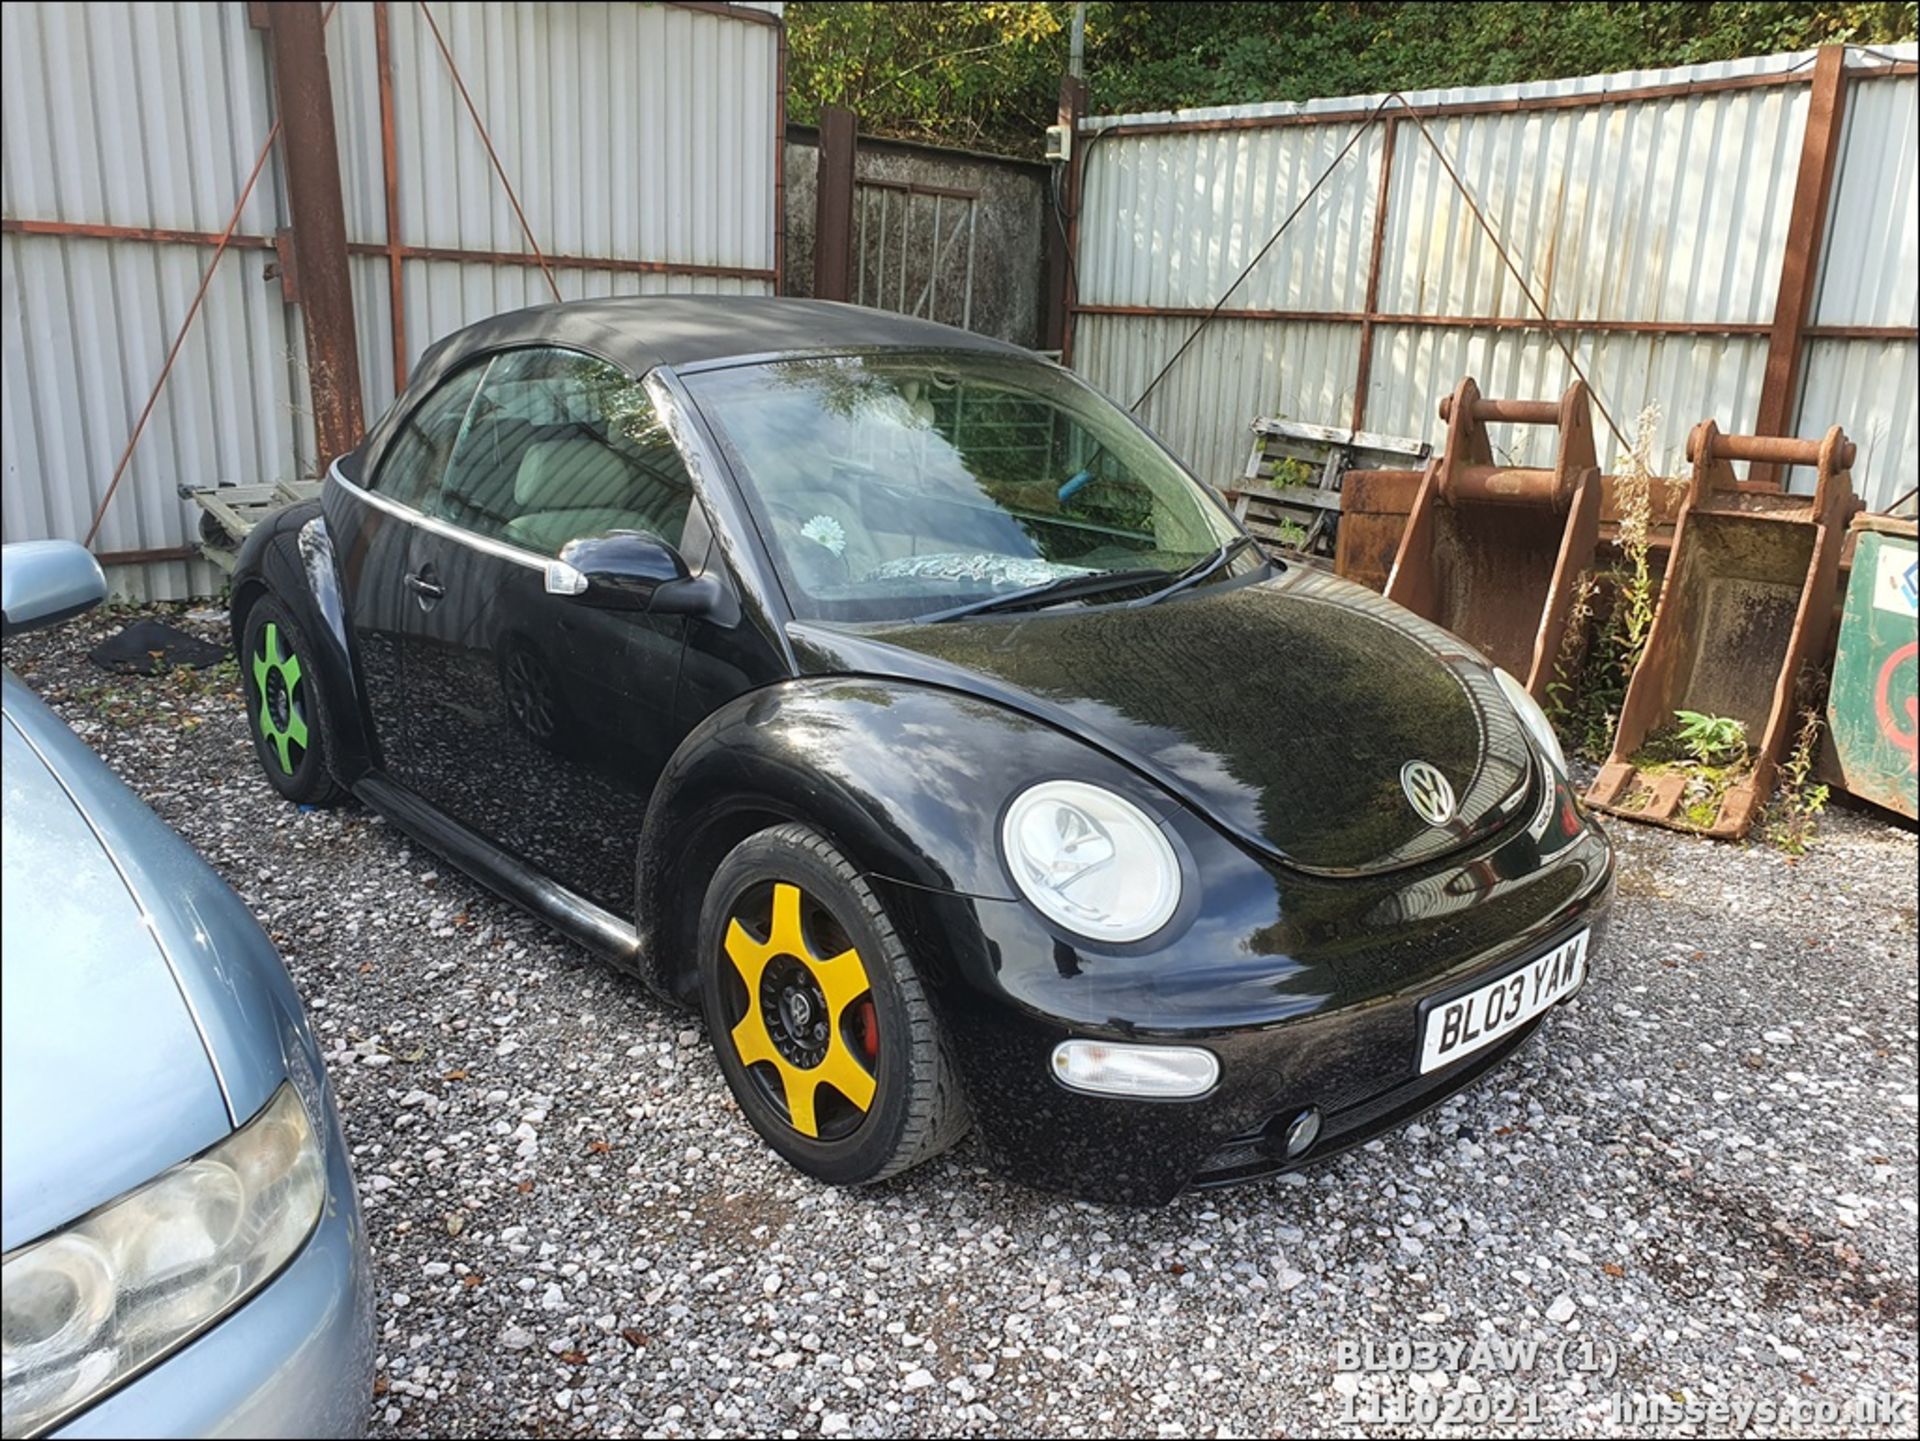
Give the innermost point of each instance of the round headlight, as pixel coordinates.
(1533, 718)
(1091, 861)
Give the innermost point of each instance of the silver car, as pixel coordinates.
(183, 1251)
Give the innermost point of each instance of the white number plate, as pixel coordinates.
(1464, 1024)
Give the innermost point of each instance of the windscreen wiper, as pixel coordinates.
(1065, 587)
(1199, 570)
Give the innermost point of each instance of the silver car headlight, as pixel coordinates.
(1091, 861)
(88, 1307)
(1533, 718)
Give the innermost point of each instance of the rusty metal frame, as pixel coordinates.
(1364, 372)
(86, 230)
(1366, 318)
(390, 174)
(1800, 262)
(834, 193)
(1519, 105)
(780, 157)
(317, 220)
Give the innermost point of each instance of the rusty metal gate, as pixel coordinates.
(914, 248)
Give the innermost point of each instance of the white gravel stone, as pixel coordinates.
(1645, 1170)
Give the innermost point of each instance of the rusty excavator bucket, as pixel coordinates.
(1747, 599)
(1493, 553)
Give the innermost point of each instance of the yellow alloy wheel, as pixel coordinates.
(800, 1008)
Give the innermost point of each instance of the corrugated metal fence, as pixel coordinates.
(643, 141)
(1650, 213)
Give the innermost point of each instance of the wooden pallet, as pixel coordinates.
(1289, 495)
(230, 512)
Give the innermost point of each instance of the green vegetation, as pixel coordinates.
(1291, 535)
(1710, 751)
(1794, 813)
(1612, 615)
(987, 75)
(1712, 740)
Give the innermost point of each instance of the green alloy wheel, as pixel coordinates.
(283, 707)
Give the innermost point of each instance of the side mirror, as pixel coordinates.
(630, 570)
(43, 582)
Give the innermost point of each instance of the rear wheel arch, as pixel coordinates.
(273, 563)
(247, 592)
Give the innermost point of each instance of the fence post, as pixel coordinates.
(296, 42)
(833, 206)
(390, 173)
(1800, 266)
(1062, 230)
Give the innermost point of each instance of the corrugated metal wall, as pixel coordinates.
(635, 135)
(631, 132)
(1671, 211)
(136, 115)
(1870, 275)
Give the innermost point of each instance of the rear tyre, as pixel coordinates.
(817, 1014)
(285, 711)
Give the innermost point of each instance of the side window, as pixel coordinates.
(411, 468)
(561, 445)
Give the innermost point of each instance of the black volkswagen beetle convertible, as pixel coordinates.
(893, 697)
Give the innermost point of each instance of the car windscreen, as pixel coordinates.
(891, 486)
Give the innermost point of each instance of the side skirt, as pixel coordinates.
(573, 915)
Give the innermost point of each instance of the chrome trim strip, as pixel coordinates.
(146, 917)
(532, 560)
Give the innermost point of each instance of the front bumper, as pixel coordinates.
(1310, 993)
(295, 1360)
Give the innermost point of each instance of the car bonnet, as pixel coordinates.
(107, 1081)
(1287, 711)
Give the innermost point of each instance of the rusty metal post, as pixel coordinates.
(780, 159)
(1062, 231)
(390, 171)
(1363, 375)
(296, 42)
(1800, 265)
(833, 206)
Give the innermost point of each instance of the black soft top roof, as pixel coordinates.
(641, 331)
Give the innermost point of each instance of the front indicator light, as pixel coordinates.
(1106, 1068)
(88, 1307)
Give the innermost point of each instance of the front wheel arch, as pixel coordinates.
(674, 888)
(906, 779)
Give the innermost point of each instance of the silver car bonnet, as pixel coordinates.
(145, 1012)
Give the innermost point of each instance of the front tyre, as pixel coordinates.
(817, 1015)
(284, 709)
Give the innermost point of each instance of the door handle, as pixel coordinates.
(426, 589)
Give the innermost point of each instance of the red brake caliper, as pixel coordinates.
(869, 1025)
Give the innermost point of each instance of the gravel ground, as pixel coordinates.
(1702, 1176)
